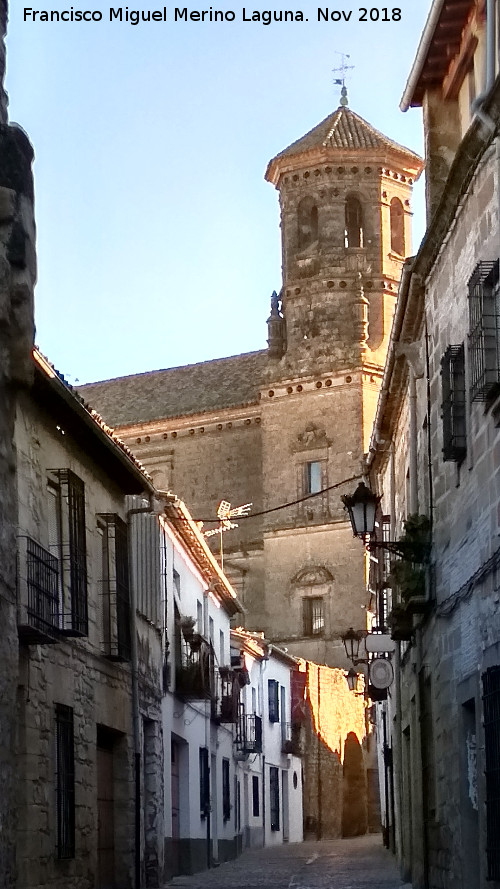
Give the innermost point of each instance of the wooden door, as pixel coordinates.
(105, 819)
(175, 803)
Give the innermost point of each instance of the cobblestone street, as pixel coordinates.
(359, 863)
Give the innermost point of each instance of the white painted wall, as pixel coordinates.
(256, 695)
(188, 721)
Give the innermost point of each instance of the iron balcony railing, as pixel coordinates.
(248, 733)
(37, 593)
(292, 738)
(194, 677)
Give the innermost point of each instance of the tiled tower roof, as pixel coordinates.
(344, 130)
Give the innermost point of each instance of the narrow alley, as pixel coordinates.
(358, 863)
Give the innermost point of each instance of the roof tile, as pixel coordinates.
(179, 391)
(344, 129)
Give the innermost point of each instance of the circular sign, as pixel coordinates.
(381, 673)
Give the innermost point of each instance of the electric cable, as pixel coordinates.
(254, 515)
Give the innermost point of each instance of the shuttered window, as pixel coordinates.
(273, 699)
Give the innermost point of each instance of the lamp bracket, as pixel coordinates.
(391, 546)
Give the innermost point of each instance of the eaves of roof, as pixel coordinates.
(439, 43)
(409, 314)
(90, 430)
(257, 645)
(191, 537)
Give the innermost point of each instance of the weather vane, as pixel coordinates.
(225, 514)
(340, 81)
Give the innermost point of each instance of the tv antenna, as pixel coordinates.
(225, 514)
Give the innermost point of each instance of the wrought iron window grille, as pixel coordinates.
(453, 404)
(69, 543)
(115, 588)
(37, 593)
(484, 331)
(313, 616)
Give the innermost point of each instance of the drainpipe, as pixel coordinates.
(398, 756)
(491, 15)
(263, 666)
(413, 505)
(392, 496)
(206, 633)
(319, 833)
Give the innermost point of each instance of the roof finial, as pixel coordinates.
(340, 81)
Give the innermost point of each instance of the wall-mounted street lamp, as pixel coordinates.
(352, 640)
(362, 508)
(352, 681)
(380, 673)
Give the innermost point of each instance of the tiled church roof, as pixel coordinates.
(179, 391)
(344, 130)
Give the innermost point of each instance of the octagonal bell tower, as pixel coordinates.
(345, 192)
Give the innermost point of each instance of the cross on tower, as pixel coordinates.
(340, 81)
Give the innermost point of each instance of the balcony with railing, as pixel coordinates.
(292, 738)
(37, 593)
(248, 737)
(225, 702)
(194, 676)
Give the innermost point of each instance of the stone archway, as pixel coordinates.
(354, 795)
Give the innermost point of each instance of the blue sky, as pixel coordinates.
(158, 238)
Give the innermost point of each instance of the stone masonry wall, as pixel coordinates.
(17, 279)
(76, 672)
(333, 714)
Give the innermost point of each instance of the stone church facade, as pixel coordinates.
(286, 428)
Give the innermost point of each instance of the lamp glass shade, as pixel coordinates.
(352, 679)
(362, 507)
(351, 641)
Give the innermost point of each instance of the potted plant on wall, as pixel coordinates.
(409, 576)
(186, 623)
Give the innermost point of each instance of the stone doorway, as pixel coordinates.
(105, 811)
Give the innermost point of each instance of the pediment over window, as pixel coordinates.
(312, 437)
(316, 575)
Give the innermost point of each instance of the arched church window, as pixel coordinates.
(397, 227)
(307, 219)
(353, 222)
